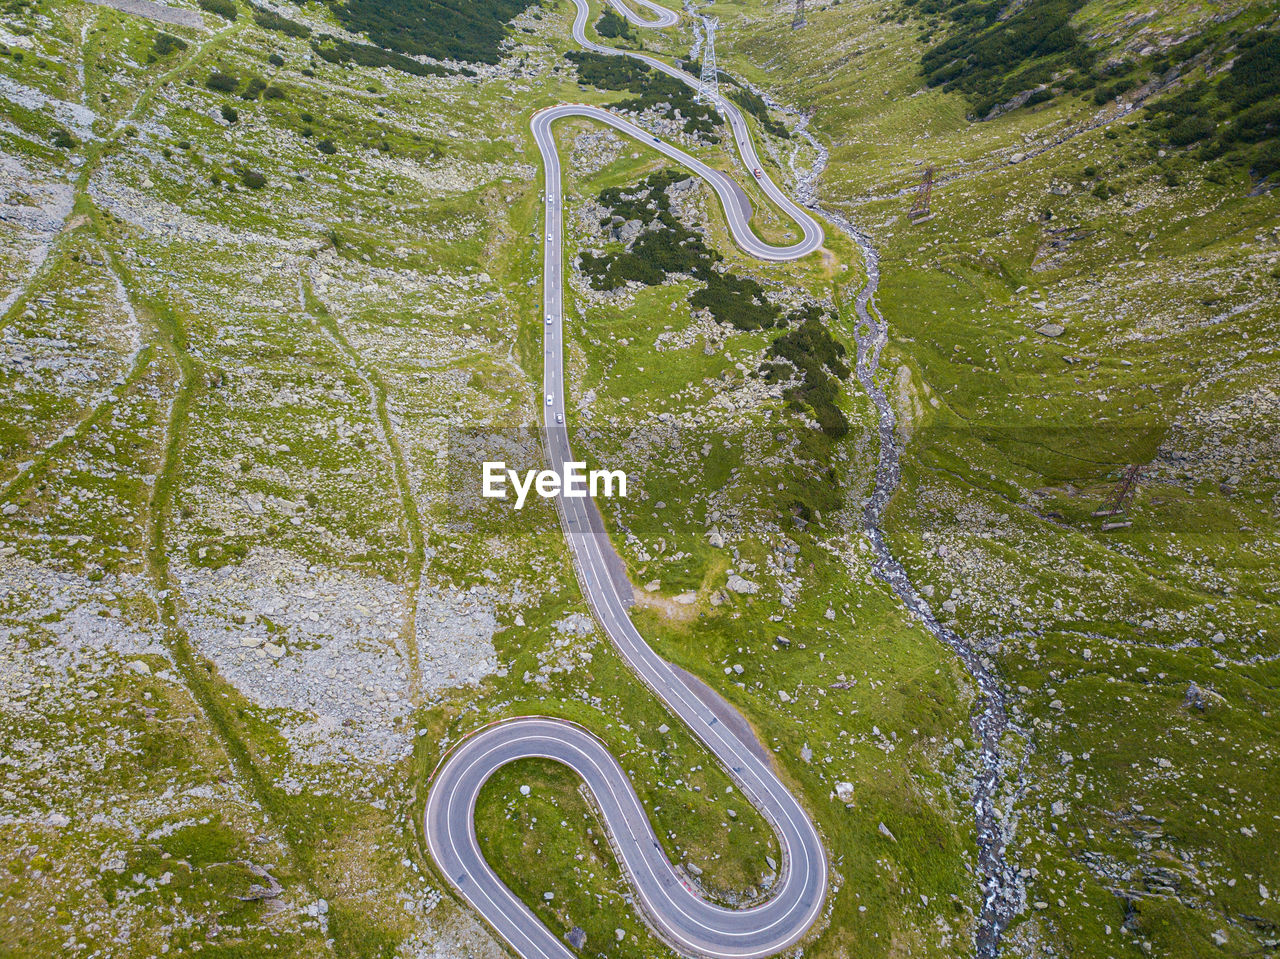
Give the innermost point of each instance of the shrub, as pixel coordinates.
(253, 179)
(1191, 130)
(810, 348)
(756, 106)
(62, 139)
(441, 29)
(270, 20)
(166, 44)
(275, 60)
(335, 50)
(614, 26)
(654, 253)
(1235, 119)
(253, 89)
(1266, 160)
(623, 73)
(229, 113)
(273, 92)
(226, 9)
(992, 60)
(222, 82)
(735, 300)
(326, 147)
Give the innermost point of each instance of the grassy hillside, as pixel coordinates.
(271, 290)
(1093, 292)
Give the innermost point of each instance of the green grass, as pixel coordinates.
(1014, 439)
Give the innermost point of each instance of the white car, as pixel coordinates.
(549, 399)
(549, 319)
(559, 417)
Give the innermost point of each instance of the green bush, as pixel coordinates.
(222, 82)
(334, 50)
(270, 20)
(1236, 119)
(62, 139)
(326, 147)
(624, 73)
(735, 300)
(229, 113)
(166, 44)
(820, 358)
(992, 60)
(614, 26)
(440, 29)
(275, 60)
(1255, 74)
(226, 9)
(253, 179)
(1191, 130)
(273, 92)
(756, 106)
(655, 253)
(1265, 160)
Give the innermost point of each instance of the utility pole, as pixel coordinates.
(1120, 497)
(709, 86)
(798, 21)
(920, 211)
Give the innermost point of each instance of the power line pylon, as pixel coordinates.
(798, 20)
(1123, 493)
(920, 211)
(709, 86)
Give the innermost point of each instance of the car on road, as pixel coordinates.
(559, 417)
(549, 399)
(757, 172)
(656, 140)
(549, 321)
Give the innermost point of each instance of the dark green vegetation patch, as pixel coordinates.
(270, 20)
(653, 88)
(222, 82)
(335, 50)
(664, 247)
(165, 45)
(440, 29)
(736, 300)
(615, 27)
(811, 349)
(993, 60)
(754, 104)
(226, 9)
(1238, 117)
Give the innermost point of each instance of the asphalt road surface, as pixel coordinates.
(681, 917)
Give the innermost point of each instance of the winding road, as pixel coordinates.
(685, 920)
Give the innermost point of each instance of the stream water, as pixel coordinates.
(1001, 884)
